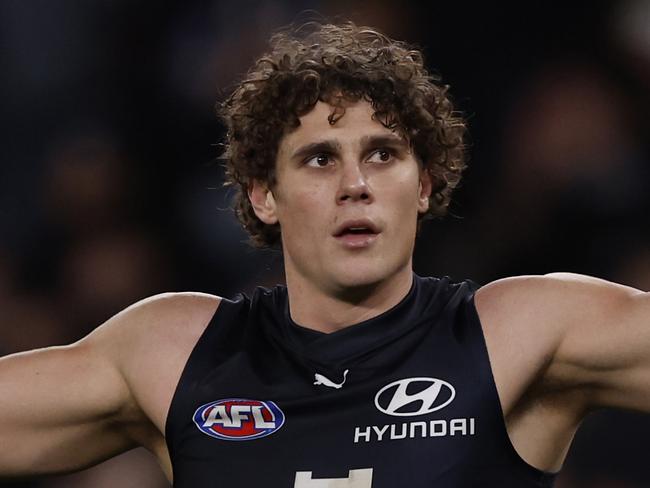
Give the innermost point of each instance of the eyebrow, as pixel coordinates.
(327, 146)
(332, 145)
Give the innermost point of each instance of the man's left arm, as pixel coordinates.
(604, 348)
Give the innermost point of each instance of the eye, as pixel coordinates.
(382, 155)
(319, 160)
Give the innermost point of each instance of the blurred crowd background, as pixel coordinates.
(110, 190)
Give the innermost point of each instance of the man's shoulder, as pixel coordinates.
(548, 296)
(172, 307)
(524, 320)
(149, 342)
(159, 321)
(546, 309)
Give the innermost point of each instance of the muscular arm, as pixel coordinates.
(605, 346)
(586, 337)
(66, 408)
(61, 409)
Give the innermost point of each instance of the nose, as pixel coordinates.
(353, 185)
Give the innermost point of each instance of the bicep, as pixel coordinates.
(605, 348)
(61, 409)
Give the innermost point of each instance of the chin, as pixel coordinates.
(360, 276)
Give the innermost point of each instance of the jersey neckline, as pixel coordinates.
(347, 345)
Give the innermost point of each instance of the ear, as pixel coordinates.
(424, 190)
(263, 202)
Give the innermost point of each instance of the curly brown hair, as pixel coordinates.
(325, 62)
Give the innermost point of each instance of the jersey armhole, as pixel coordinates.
(479, 345)
(221, 310)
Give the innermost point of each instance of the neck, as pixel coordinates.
(316, 308)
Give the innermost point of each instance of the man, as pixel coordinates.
(358, 373)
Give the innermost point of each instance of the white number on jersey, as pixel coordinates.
(358, 478)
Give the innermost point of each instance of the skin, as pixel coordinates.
(331, 286)
(560, 345)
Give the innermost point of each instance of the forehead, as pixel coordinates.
(352, 126)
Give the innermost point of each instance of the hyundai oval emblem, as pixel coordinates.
(414, 396)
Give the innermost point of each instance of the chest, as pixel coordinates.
(426, 420)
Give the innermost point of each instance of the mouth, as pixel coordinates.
(357, 233)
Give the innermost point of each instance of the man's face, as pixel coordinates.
(347, 198)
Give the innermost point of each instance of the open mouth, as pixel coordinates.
(357, 234)
(357, 231)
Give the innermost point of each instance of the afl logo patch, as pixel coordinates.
(238, 419)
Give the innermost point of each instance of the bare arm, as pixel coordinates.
(61, 409)
(588, 337)
(605, 346)
(66, 408)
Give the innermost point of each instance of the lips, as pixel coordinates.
(356, 227)
(357, 234)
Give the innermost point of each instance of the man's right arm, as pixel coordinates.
(63, 408)
(66, 408)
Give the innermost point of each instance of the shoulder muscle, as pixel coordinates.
(591, 330)
(150, 343)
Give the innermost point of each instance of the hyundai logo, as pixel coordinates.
(414, 396)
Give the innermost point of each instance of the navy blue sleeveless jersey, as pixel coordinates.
(404, 399)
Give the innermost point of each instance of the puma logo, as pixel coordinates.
(322, 380)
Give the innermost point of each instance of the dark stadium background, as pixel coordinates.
(110, 190)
